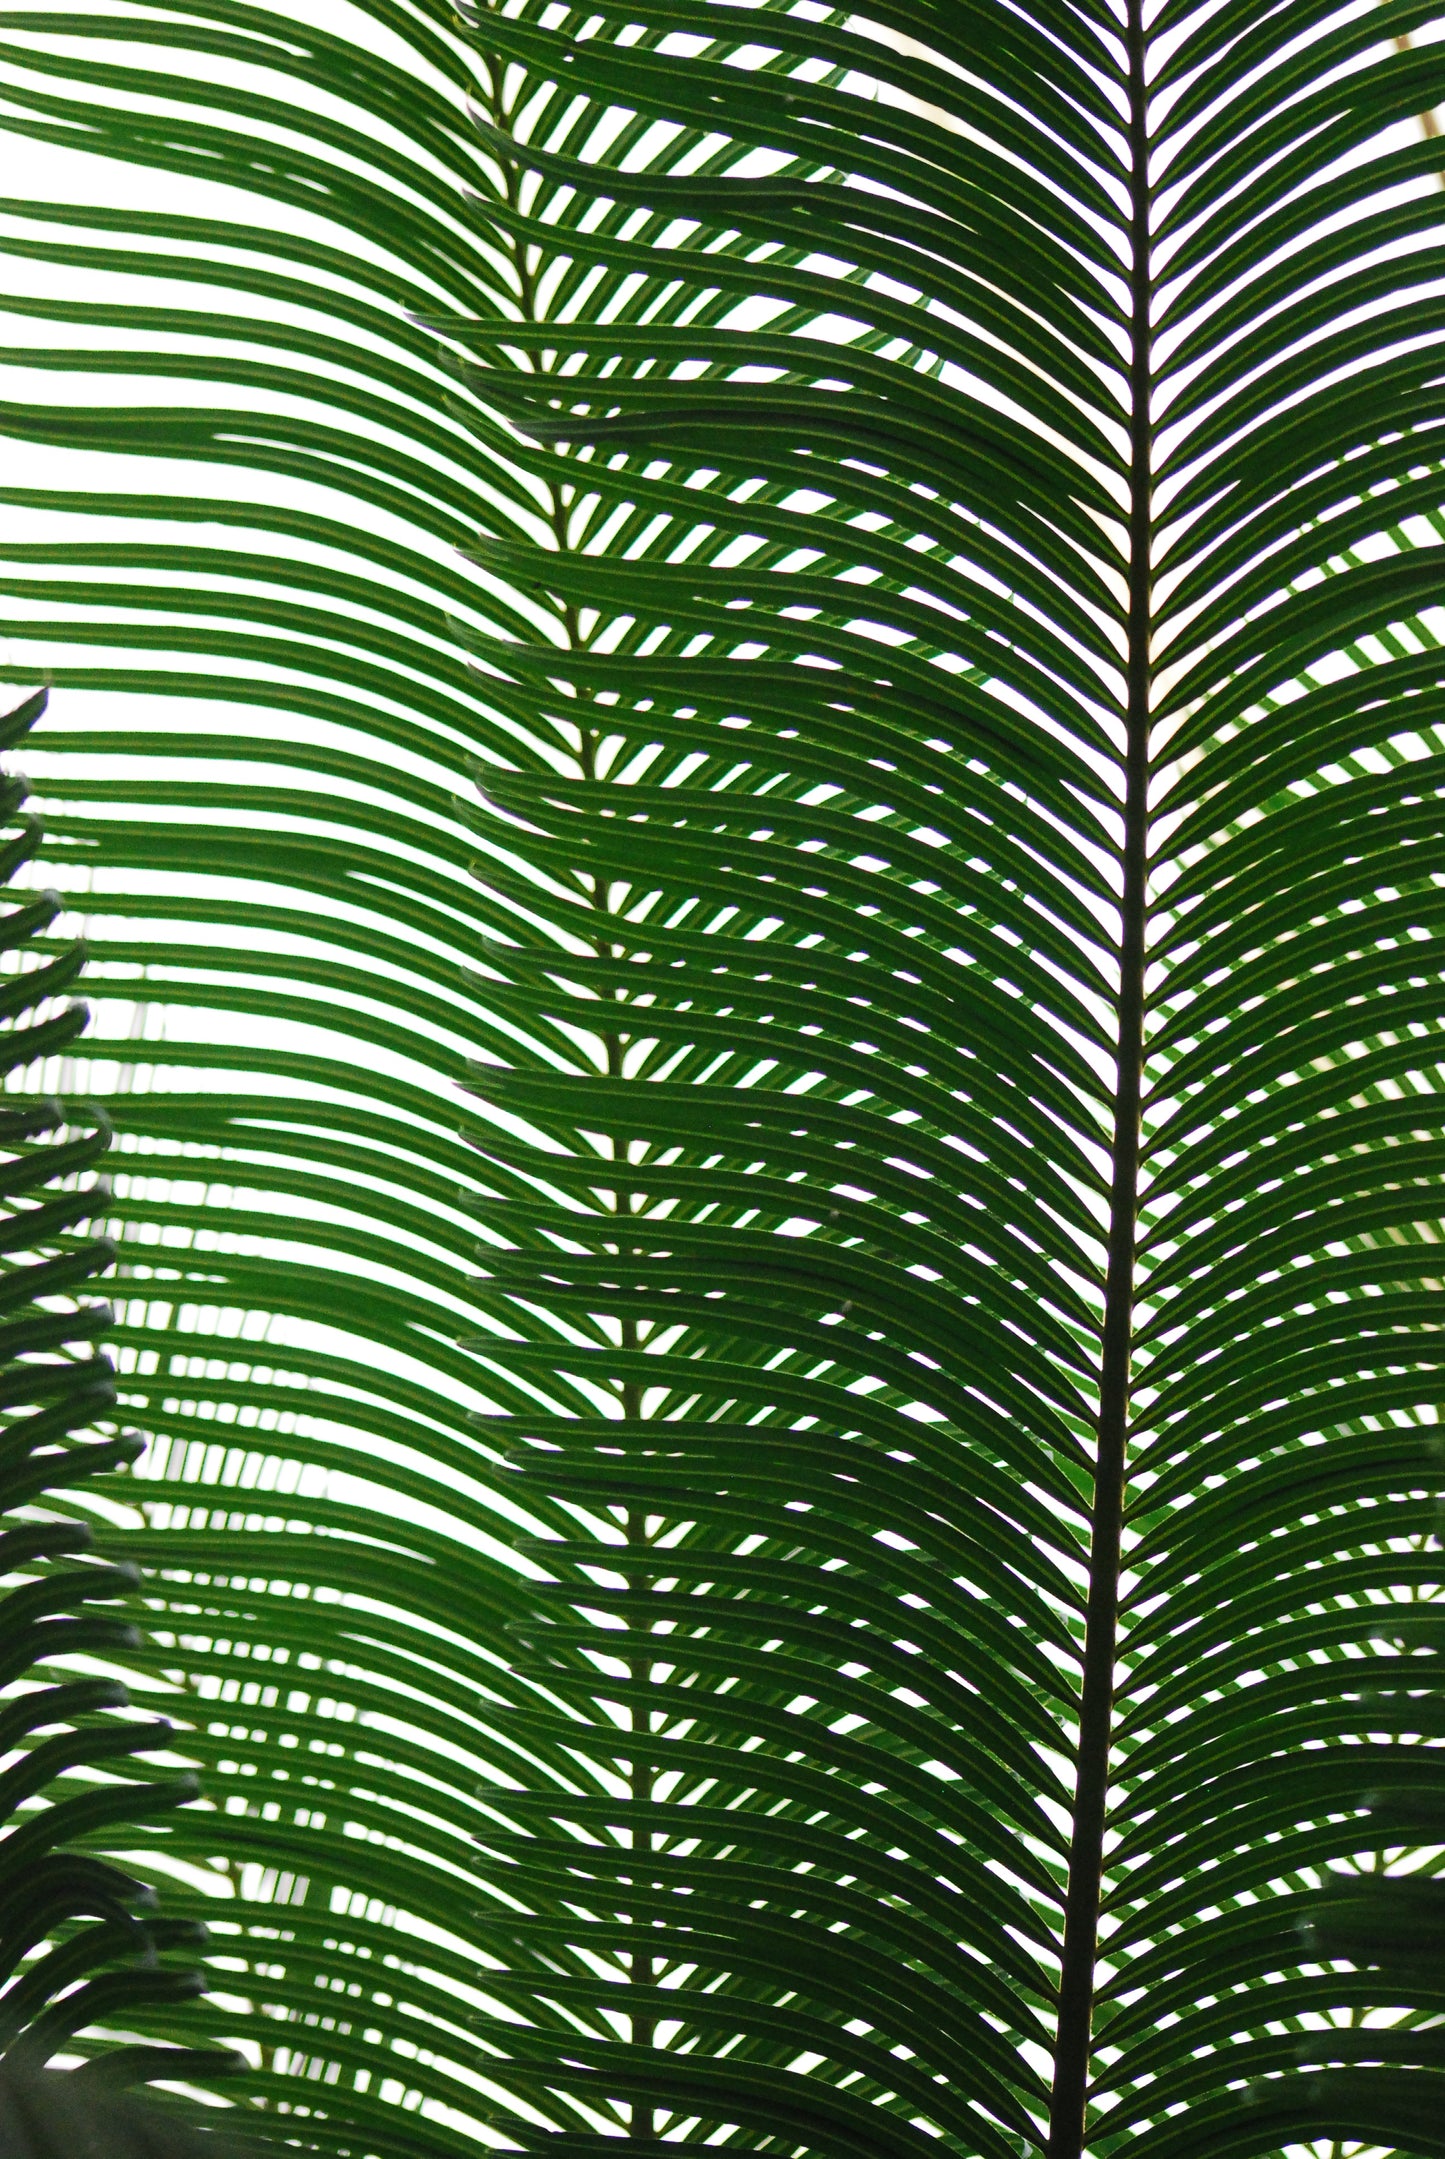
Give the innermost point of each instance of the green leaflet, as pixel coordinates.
(767, 936)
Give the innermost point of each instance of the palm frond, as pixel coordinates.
(79, 1951)
(850, 1633)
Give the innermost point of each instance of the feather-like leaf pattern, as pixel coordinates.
(849, 1554)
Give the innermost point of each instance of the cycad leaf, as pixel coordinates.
(79, 1951)
(880, 1607)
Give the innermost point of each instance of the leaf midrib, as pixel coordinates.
(1067, 2126)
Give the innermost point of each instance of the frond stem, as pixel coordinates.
(1067, 2120)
